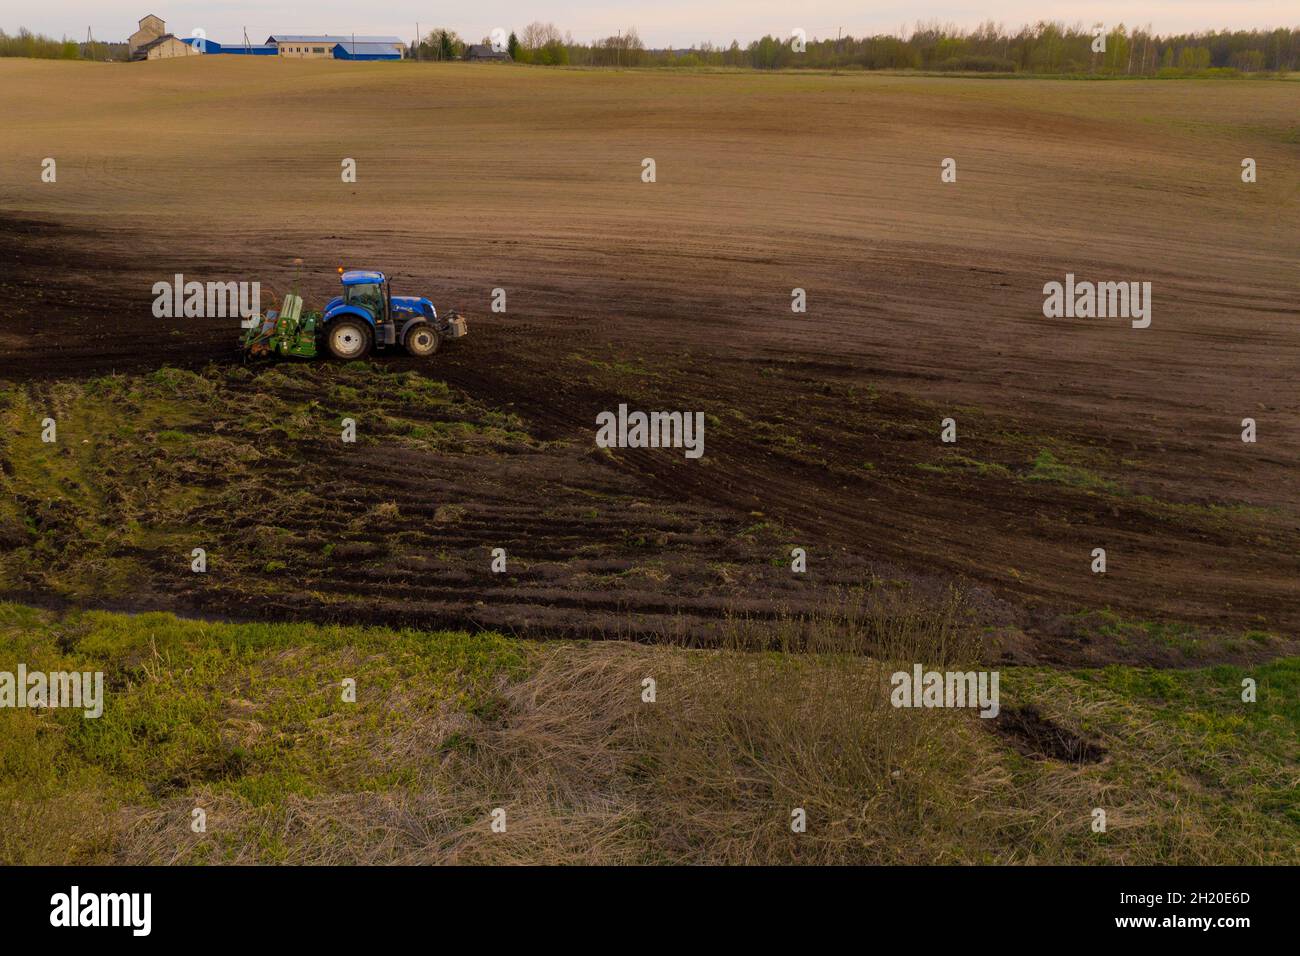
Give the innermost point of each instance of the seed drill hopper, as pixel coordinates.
(284, 333)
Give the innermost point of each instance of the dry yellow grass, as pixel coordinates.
(246, 723)
(711, 772)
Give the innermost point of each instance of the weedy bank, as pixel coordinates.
(252, 726)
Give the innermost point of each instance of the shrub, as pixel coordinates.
(31, 44)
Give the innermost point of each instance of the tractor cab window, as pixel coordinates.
(368, 295)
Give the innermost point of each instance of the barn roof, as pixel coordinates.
(360, 48)
(296, 38)
(154, 42)
(215, 47)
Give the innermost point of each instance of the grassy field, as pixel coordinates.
(249, 724)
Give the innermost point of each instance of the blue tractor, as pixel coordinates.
(366, 316)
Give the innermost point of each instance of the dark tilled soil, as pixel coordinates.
(830, 438)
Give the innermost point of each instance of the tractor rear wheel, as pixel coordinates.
(422, 340)
(348, 339)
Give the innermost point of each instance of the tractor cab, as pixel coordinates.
(367, 290)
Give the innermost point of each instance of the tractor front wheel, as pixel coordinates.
(348, 339)
(422, 340)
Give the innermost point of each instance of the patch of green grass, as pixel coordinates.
(159, 462)
(1046, 467)
(1215, 514)
(1193, 642)
(1190, 741)
(253, 711)
(449, 514)
(959, 464)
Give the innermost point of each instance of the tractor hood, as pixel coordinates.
(403, 306)
(413, 305)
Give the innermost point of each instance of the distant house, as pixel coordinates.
(325, 46)
(484, 51)
(163, 48)
(151, 28)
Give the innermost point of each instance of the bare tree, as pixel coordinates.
(537, 34)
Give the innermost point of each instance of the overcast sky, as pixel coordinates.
(659, 22)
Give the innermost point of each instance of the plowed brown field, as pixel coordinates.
(924, 302)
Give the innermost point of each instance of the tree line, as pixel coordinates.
(26, 43)
(1043, 48)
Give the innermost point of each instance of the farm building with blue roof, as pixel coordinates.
(366, 51)
(302, 46)
(246, 49)
(338, 47)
